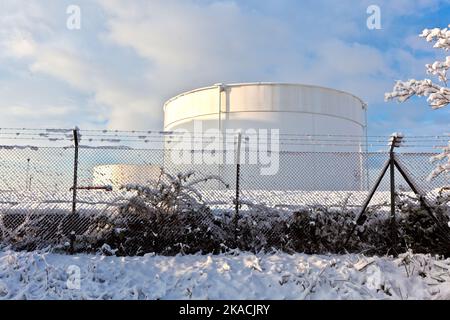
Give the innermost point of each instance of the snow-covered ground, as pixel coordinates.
(100, 201)
(43, 275)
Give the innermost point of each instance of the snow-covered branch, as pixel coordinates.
(438, 95)
(441, 168)
(439, 68)
(440, 36)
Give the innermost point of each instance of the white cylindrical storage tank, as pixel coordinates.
(302, 114)
(117, 175)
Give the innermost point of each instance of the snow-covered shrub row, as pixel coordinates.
(171, 218)
(139, 230)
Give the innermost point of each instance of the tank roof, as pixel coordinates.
(364, 105)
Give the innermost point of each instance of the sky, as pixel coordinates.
(128, 57)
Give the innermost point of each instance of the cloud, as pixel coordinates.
(20, 46)
(52, 52)
(220, 42)
(188, 44)
(128, 105)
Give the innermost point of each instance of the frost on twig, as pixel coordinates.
(441, 167)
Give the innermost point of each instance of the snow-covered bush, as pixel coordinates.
(417, 228)
(258, 228)
(438, 94)
(31, 231)
(321, 229)
(168, 218)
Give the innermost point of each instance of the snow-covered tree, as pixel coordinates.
(438, 94)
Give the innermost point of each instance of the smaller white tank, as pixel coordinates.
(117, 175)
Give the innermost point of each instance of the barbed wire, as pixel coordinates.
(287, 144)
(56, 131)
(164, 140)
(19, 136)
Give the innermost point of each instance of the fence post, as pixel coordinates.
(75, 172)
(392, 191)
(238, 174)
(395, 140)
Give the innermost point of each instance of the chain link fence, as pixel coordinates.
(131, 200)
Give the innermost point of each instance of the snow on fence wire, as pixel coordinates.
(131, 199)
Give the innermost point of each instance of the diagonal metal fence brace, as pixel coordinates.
(368, 199)
(422, 199)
